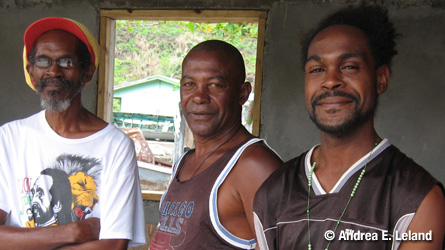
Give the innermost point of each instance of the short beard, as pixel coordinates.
(52, 103)
(347, 126)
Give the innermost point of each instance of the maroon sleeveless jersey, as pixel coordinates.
(188, 214)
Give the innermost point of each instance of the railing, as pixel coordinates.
(144, 121)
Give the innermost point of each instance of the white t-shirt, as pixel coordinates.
(99, 171)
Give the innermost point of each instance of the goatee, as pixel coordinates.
(52, 102)
(354, 120)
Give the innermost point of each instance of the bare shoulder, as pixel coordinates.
(237, 192)
(430, 216)
(258, 160)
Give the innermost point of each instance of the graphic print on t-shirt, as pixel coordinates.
(65, 192)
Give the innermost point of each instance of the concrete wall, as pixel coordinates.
(410, 114)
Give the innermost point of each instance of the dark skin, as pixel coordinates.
(212, 97)
(75, 122)
(339, 58)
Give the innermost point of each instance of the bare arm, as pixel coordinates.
(47, 237)
(258, 168)
(429, 216)
(236, 194)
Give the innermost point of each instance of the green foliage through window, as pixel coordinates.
(148, 48)
(117, 104)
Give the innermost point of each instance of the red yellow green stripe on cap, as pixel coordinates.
(58, 23)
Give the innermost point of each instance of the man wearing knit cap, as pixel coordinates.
(97, 160)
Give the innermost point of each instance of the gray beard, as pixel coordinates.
(51, 103)
(55, 105)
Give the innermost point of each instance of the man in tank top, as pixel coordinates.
(208, 204)
(354, 190)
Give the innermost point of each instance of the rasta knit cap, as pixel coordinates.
(58, 23)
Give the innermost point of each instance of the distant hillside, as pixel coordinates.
(147, 48)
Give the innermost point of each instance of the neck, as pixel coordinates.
(75, 122)
(336, 155)
(343, 151)
(204, 145)
(209, 150)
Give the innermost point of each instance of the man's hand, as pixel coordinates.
(85, 230)
(48, 237)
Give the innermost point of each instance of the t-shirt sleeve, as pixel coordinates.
(121, 207)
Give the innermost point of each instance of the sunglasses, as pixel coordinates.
(43, 62)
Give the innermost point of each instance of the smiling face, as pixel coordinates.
(211, 94)
(57, 86)
(341, 80)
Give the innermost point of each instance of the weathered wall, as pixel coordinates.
(410, 114)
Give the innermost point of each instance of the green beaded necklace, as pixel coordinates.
(309, 183)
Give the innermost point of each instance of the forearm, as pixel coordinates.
(34, 238)
(105, 244)
(49, 237)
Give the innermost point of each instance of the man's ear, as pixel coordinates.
(246, 88)
(89, 73)
(383, 74)
(29, 68)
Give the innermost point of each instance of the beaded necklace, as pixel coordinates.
(309, 183)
